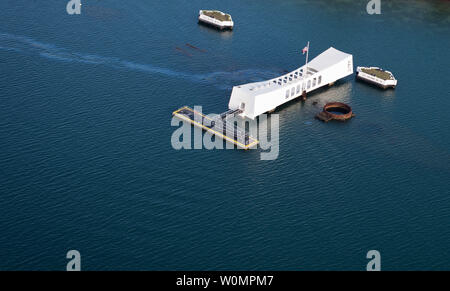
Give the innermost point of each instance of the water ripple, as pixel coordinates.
(221, 79)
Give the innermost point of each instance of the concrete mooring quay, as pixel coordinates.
(218, 126)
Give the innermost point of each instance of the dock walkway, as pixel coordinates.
(218, 126)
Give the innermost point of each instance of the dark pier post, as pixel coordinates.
(304, 96)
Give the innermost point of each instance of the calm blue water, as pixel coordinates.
(86, 161)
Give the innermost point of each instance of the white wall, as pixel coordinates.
(256, 104)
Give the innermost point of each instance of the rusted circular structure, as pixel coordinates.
(343, 112)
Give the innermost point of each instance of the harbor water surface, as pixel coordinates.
(86, 161)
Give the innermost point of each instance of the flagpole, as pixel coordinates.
(306, 65)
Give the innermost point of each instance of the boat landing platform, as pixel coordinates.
(218, 126)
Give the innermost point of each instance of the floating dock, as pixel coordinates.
(376, 76)
(218, 126)
(216, 19)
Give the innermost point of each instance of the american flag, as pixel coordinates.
(305, 49)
